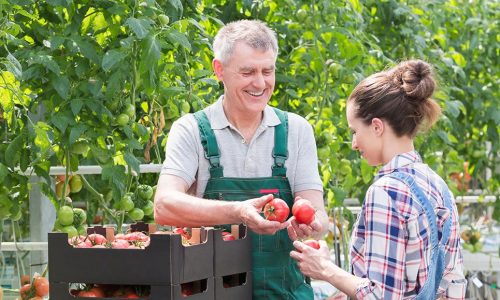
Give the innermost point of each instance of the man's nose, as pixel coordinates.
(259, 80)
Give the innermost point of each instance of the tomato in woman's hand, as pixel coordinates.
(312, 243)
(303, 211)
(276, 210)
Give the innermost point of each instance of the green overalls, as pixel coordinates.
(275, 274)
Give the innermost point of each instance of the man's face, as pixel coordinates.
(248, 77)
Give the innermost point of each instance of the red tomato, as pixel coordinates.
(182, 232)
(41, 286)
(25, 291)
(312, 243)
(25, 279)
(303, 211)
(94, 292)
(276, 210)
(226, 236)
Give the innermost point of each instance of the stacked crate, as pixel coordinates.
(163, 265)
(233, 265)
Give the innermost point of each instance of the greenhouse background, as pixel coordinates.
(89, 90)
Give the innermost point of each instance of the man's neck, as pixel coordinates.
(246, 123)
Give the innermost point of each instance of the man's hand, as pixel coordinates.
(250, 216)
(302, 231)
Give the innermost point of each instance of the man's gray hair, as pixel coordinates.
(254, 33)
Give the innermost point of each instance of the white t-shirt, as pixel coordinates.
(185, 156)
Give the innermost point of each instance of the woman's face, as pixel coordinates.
(364, 137)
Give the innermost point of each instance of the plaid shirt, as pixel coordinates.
(390, 241)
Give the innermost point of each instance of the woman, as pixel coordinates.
(405, 243)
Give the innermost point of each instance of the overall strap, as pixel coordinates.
(209, 143)
(280, 150)
(449, 205)
(429, 210)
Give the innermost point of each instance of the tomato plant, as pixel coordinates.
(303, 211)
(276, 210)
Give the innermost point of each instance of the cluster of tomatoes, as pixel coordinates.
(111, 291)
(71, 220)
(35, 288)
(137, 205)
(131, 240)
(302, 210)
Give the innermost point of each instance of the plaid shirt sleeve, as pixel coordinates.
(385, 252)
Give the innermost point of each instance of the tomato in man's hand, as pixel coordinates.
(312, 243)
(303, 211)
(276, 210)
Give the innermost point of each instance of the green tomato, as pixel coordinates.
(130, 111)
(145, 191)
(148, 208)
(75, 184)
(65, 215)
(80, 216)
(81, 230)
(122, 119)
(79, 147)
(136, 214)
(126, 203)
(164, 19)
(301, 14)
(70, 230)
(334, 69)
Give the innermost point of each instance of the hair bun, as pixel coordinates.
(415, 77)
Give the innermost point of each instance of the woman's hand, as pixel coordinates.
(314, 263)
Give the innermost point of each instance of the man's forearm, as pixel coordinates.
(183, 210)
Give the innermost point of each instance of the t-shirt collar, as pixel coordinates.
(399, 161)
(220, 121)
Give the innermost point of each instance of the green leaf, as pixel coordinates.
(61, 120)
(356, 5)
(76, 106)
(76, 132)
(4, 171)
(61, 85)
(116, 176)
(14, 66)
(150, 55)
(176, 37)
(366, 171)
(42, 140)
(12, 151)
(132, 162)
(48, 62)
(459, 59)
(111, 58)
(140, 27)
(87, 49)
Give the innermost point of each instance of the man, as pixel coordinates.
(238, 152)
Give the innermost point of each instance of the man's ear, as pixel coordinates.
(218, 68)
(378, 126)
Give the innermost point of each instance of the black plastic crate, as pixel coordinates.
(240, 288)
(60, 291)
(164, 262)
(233, 257)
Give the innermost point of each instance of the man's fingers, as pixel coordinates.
(291, 233)
(260, 202)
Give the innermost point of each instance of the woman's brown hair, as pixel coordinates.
(401, 96)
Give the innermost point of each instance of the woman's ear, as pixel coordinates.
(378, 126)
